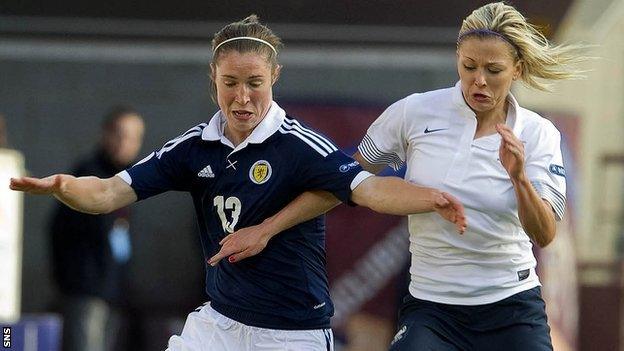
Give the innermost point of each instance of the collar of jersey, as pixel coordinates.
(267, 127)
(514, 115)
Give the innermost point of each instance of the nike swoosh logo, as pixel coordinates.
(427, 130)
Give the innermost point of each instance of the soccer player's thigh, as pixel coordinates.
(206, 330)
(425, 331)
(526, 330)
(520, 337)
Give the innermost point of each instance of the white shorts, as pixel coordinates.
(208, 330)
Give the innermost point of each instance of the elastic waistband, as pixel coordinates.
(269, 321)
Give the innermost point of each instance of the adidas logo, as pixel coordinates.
(206, 172)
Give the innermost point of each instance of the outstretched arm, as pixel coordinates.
(250, 241)
(393, 195)
(390, 195)
(85, 194)
(446, 206)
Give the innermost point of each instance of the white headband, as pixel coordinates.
(248, 38)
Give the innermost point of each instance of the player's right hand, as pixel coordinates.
(37, 186)
(451, 209)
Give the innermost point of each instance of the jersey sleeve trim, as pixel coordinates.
(373, 155)
(359, 178)
(554, 197)
(125, 176)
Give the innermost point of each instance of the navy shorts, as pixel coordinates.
(517, 323)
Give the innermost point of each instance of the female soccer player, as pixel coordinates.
(478, 291)
(250, 160)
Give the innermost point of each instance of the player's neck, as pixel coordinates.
(234, 136)
(487, 120)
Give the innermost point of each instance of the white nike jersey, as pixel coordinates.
(434, 133)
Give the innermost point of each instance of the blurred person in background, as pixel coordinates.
(241, 167)
(478, 291)
(90, 253)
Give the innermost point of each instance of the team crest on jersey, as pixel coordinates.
(260, 172)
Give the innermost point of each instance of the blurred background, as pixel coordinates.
(63, 65)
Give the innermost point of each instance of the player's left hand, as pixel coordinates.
(511, 152)
(241, 244)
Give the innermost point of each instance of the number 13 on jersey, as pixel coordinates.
(232, 204)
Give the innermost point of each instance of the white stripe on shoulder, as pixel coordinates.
(318, 136)
(191, 133)
(321, 140)
(305, 139)
(198, 128)
(309, 137)
(145, 159)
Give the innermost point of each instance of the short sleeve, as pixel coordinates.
(545, 168)
(384, 142)
(162, 170)
(321, 165)
(336, 173)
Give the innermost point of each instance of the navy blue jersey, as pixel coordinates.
(285, 286)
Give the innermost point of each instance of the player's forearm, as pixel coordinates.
(393, 195)
(88, 194)
(305, 207)
(536, 216)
